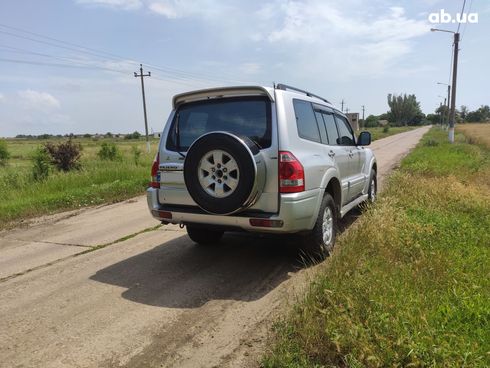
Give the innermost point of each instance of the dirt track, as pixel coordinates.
(91, 288)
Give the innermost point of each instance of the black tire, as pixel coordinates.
(241, 150)
(204, 236)
(372, 195)
(313, 243)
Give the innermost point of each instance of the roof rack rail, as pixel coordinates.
(285, 87)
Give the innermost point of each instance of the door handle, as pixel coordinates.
(331, 153)
(351, 154)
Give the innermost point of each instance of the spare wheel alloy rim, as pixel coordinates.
(218, 173)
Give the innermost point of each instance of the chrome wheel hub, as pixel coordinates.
(218, 173)
(327, 226)
(373, 190)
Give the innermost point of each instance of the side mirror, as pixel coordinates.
(364, 139)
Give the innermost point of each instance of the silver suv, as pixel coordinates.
(260, 159)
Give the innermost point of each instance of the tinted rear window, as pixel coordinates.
(244, 116)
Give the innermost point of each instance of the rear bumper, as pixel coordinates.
(298, 212)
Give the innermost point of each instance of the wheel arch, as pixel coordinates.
(331, 184)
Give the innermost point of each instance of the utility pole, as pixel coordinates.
(453, 96)
(141, 75)
(443, 112)
(448, 99)
(342, 104)
(440, 114)
(446, 105)
(452, 115)
(363, 109)
(346, 110)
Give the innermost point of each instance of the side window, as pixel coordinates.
(321, 126)
(345, 131)
(331, 127)
(305, 120)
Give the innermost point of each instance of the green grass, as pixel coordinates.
(97, 182)
(409, 284)
(378, 133)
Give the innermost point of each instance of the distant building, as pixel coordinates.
(383, 123)
(353, 119)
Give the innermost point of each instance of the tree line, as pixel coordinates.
(134, 135)
(405, 110)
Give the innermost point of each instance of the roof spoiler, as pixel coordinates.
(220, 92)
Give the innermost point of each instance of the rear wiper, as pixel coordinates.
(177, 135)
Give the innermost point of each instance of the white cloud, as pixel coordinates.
(121, 4)
(2, 97)
(314, 20)
(339, 38)
(173, 9)
(35, 100)
(250, 68)
(164, 9)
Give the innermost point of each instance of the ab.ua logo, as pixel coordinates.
(443, 17)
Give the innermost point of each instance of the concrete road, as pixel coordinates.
(105, 287)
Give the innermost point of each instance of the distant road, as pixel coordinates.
(102, 287)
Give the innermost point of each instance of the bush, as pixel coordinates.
(386, 129)
(4, 153)
(431, 143)
(134, 135)
(109, 151)
(40, 164)
(136, 154)
(65, 155)
(371, 121)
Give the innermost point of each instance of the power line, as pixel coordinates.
(89, 67)
(7, 60)
(460, 15)
(451, 65)
(466, 24)
(104, 55)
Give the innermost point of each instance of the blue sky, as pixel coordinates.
(356, 50)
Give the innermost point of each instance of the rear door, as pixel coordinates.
(336, 152)
(356, 178)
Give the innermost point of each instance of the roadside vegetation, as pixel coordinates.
(383, 132)
(42, 176)
(476, 133)
(408, 284)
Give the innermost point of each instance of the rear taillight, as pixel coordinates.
(155, 176)
(291, 173)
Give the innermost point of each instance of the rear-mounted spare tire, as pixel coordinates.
(223, 173)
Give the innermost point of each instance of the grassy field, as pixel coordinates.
(476, 133)
(409, 283)
(97, 182)
(378, 132)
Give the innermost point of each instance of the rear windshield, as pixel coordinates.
(243, 116)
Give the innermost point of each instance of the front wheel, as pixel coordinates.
(373, 187)
(319, 242)
(203, 236)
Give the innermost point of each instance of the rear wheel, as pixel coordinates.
(319, 242)
(204, 236)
